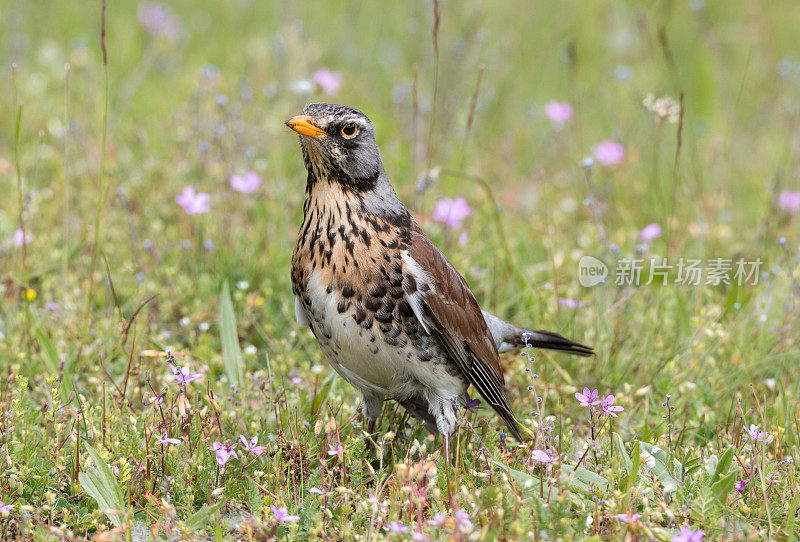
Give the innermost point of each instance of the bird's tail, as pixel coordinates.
(510, 337)
(553, 341)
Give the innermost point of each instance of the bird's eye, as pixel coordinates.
(350, 130)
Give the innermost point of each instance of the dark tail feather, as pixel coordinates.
(554, 341)
(510, 337)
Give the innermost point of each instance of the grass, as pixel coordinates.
(89, 398)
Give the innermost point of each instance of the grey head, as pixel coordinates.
(338, 144)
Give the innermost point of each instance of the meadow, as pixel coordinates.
(155, 384)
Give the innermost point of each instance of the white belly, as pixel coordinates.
(362, 356)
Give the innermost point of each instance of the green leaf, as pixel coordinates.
(583, 479)
(528, 484)
(619, 447)
(657, 462)
(49, 351)
(724, 465)
(320, 397)
(788, 528)
(201, 518)
(231, 352)
(722, 487)
(636, 455)
(102, 486)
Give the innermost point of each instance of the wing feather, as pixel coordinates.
(446, 309)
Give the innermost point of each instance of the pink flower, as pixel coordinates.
(462, 521)
(789, 201)
(740, 486)
(571, 303)
(282, 515)
(6, 508)
(194, 203)
(328, 80)
(558, 112)
(627, 518)
(20, 238)
(159, 20)
(687, 534)
(224, 452)
(438, 519)
(336, 449)
(755, 434)
(462, 238)
(451, 211)
(609, 152)
(540, 456)
(250, 445)
(163, 439)
(296, 380)
(609, 407)
(398, 527)
(587, 398)
(318, 491)
(247, 183)
(183, 375)
(650, 232)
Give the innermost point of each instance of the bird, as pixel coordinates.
(390, 312)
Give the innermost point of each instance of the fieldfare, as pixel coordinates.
(391, 314)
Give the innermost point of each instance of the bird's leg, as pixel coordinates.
(446, 440)
(371, 408)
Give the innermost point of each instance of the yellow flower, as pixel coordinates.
(30, 293)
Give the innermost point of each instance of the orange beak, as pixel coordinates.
(302, 125)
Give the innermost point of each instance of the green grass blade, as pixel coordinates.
(231, 351)
(101, 484)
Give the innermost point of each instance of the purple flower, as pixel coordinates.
(336, 449)
(587, 398)
(6, 508)
(627, 518)
(740, 486)
(755, 434)
(282, 515)
(463, 523)
(159, 20)
(20, 238)
(650, 232)
(419, 537)
(296, 380)
(472, 404)
(438, 519)
(250, 445)
(789, 201)
(52, 306)
(247, 183)
(609, 407)
(609, 152)
(194, 203)
(558, 112)
(398, 527)
(687, 534)
(451, 211)
(571, 303)
(318, 491)
(183, 375)
(328, 80)
(224, 452)
(163, 439)
(540, 456)
(463, 238)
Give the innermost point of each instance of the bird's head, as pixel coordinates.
(338, 144)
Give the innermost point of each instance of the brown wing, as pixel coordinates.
(451, 313)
